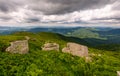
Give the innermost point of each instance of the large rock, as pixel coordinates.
(76, 49)
(20, 47)
(51, 46)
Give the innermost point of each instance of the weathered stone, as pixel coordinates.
(20, 47)
(76, 49)
(88, 59)
(118, 73)
(51, 46)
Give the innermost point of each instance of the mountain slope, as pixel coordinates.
(52, 63)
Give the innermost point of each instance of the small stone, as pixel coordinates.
(88, 59)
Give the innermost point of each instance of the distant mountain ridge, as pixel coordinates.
(93, 35)
(61, 30)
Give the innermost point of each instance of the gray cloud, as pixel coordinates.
(9, 5)
(50, 7)
(40, 11)
(115, 17)
(107, 20)
(53, 7)
(116, 5)
(5, 18)
(32, 20)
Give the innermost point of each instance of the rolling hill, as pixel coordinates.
(52, 63)
(92, 35)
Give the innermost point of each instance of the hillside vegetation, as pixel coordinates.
(97, 36)
(53, 63)
(85, 33)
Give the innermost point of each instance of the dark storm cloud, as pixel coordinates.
(5, 18)
(31, 20)
(108, 18)
(9, 5)
(117, 19)
(53, 7)
(50, 7)
(33, 11)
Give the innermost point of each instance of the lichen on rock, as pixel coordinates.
(76, 49)
(20, 47)
(50, 46)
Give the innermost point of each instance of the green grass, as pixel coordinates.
(5, 40)
(53, 63)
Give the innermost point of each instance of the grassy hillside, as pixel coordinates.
(53, 63)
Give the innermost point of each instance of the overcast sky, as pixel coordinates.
(60, 12)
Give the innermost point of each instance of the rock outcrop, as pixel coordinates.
(50, 46)
(118, 73)
(20, 47)
(76, 49)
